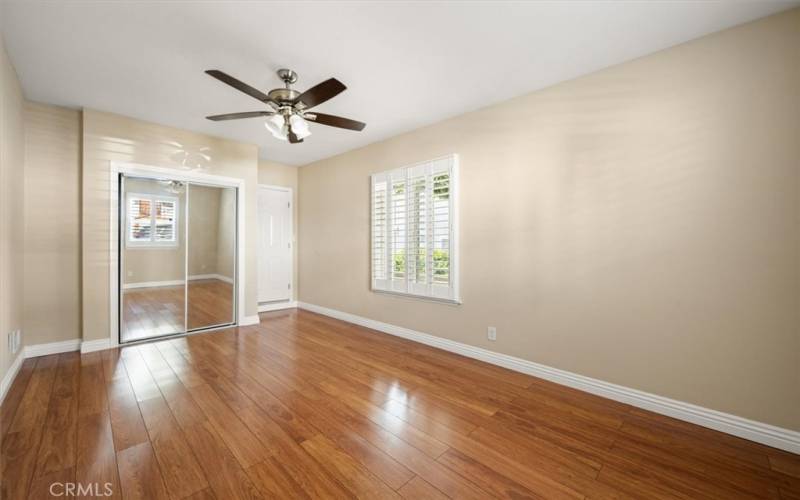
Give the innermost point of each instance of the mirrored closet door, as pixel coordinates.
(177, 264)
(212, 256)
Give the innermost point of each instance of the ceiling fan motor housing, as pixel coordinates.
(283, 96)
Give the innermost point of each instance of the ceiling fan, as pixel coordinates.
(174, 187)
(288, 117)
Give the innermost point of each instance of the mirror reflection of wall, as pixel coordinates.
(178, 257)
(212, 243)
(153, 259)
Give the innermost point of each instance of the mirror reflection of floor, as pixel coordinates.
(210, 303)
(156, 311)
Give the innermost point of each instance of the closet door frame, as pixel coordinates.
(155, 172)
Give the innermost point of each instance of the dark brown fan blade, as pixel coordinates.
(239, 85)
(237, 116)
(293, 138)
(336, 121)
(320, 93)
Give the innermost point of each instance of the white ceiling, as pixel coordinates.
(406, 64)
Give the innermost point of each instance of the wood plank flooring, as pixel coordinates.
(305, 406)
(156, 311)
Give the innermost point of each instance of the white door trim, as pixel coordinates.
(116, 168)
(289, 190)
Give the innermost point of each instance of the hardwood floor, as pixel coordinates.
(305, 406)
(155, 311)
(210, 303)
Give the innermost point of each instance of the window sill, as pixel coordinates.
(452, 302)
(171, 246)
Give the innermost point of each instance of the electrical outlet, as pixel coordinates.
(130, 274)
(491, 333)
(14, 341)
(17, 340)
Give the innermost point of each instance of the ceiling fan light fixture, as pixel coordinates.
(275, 124)
(174, 187)
(299, 126)
(287, 120)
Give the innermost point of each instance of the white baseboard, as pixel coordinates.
(36, 350)
(767, 434)
(95, 345)
(276, 306)
(202, 277)
(250, 320)
(211, 277)
(33, 351)
(11, 374)
(151, 284)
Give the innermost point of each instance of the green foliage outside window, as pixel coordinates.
(441, 264)
(441, 258)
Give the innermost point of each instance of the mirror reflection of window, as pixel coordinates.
(152, 220)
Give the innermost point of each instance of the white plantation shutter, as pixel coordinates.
(413, 223)
(165, 220)
(140, 219)
(379, 232)
(151, 220)
(397, 232)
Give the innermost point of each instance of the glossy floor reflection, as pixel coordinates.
(305, 406)
(156, 311)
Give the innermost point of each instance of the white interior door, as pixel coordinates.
(274, 244)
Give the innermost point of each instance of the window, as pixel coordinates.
(414, 230)
(152, 221)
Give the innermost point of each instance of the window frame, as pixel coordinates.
(405, 287)
(152, 242)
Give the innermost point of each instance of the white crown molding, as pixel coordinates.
(759, 432)
(10, 375)
(277, 306)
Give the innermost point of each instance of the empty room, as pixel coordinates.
(400, 249)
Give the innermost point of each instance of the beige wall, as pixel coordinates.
(108, 137)
(204, 215)
(225, 237)
(276, 174)
(12, 152)
(52, 224)
(639, 225)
